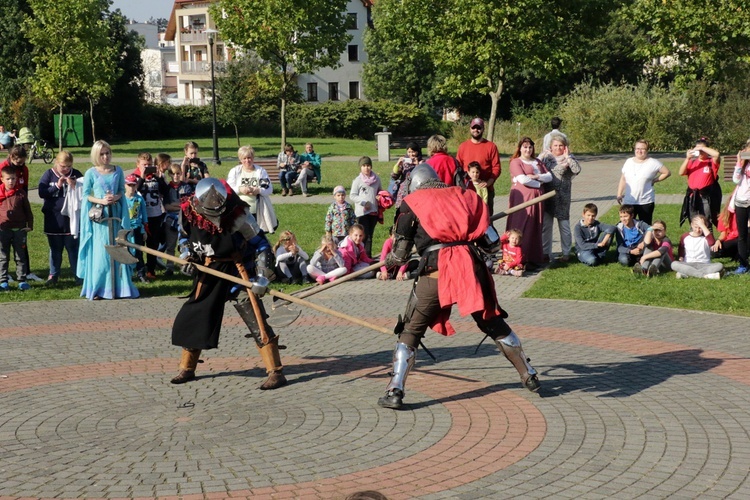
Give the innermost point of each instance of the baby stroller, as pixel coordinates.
(37, 149)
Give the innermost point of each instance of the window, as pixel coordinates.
(333, 91)
(312, 91)
(353, 90)
(351, 21)
(353, 53)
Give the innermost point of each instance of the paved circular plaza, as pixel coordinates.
(635, 402)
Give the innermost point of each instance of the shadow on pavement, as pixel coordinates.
(623, 379)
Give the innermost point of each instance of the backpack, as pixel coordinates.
(461, 177)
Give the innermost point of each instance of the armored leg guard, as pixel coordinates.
(245, 309)
(404, 357)
(269, 353)
(188, 363)
(510, 346)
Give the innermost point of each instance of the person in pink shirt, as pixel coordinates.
(399, 273)
(353, 251)
(512, 263)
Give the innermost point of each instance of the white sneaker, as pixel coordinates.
(679, 276)
(713, 276)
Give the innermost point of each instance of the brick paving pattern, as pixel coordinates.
(636, 402)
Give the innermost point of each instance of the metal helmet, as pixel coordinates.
(421, 174)
(211, 195)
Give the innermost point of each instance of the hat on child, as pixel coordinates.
(339, 189)
(365, 160)
(131, 179)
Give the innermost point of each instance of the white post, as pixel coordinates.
(384, 145)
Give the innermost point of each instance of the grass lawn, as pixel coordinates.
(613, 282)
(265, 147)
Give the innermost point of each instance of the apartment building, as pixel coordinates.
(187, 27)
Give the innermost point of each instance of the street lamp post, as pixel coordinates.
(211, 34)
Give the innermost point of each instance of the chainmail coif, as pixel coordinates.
(432, 184)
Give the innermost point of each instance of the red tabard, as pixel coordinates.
(448, 215)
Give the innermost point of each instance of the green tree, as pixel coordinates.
(121, 111)
(72, 52)
(691, 40)
(16, 65)
(293, 36)
(247, 89)
(483, 44)
(399, 66)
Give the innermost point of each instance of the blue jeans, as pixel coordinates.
(628, 259)
(287, 179)
(592, 257)
(58, 242)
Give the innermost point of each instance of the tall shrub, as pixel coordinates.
(357, 119)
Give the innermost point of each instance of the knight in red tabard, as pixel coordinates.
(449, 226)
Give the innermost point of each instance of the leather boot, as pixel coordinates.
(269, 353)
(188, 363)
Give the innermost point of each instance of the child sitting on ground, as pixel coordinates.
(593, 238)
(138, 221)
(340, 216)
(658, 257)
(694, 252)
(16, 220)
(353, 251)
(633, 236)
(327, 263)
(399, 273)
(512, 256)
(479, 185)
(291, 260)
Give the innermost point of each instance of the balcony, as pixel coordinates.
(196, 36)
(202, 67)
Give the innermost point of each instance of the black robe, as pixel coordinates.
(198, 323)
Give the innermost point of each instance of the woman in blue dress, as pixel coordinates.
(103, 184)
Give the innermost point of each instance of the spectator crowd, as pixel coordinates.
(83, 211)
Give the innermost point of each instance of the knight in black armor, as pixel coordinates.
(217, 226)
(451, 230)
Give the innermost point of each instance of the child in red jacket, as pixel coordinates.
(512, 256)
(16, 220)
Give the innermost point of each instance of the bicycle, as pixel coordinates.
(40, 150)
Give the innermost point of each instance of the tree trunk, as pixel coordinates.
(236, 133)
(93, 128)
(495, 96)
(283, 119)
(59, 129)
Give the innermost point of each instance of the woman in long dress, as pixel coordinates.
(528, 176)
(103, 184)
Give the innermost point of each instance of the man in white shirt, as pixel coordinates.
(555, 123)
